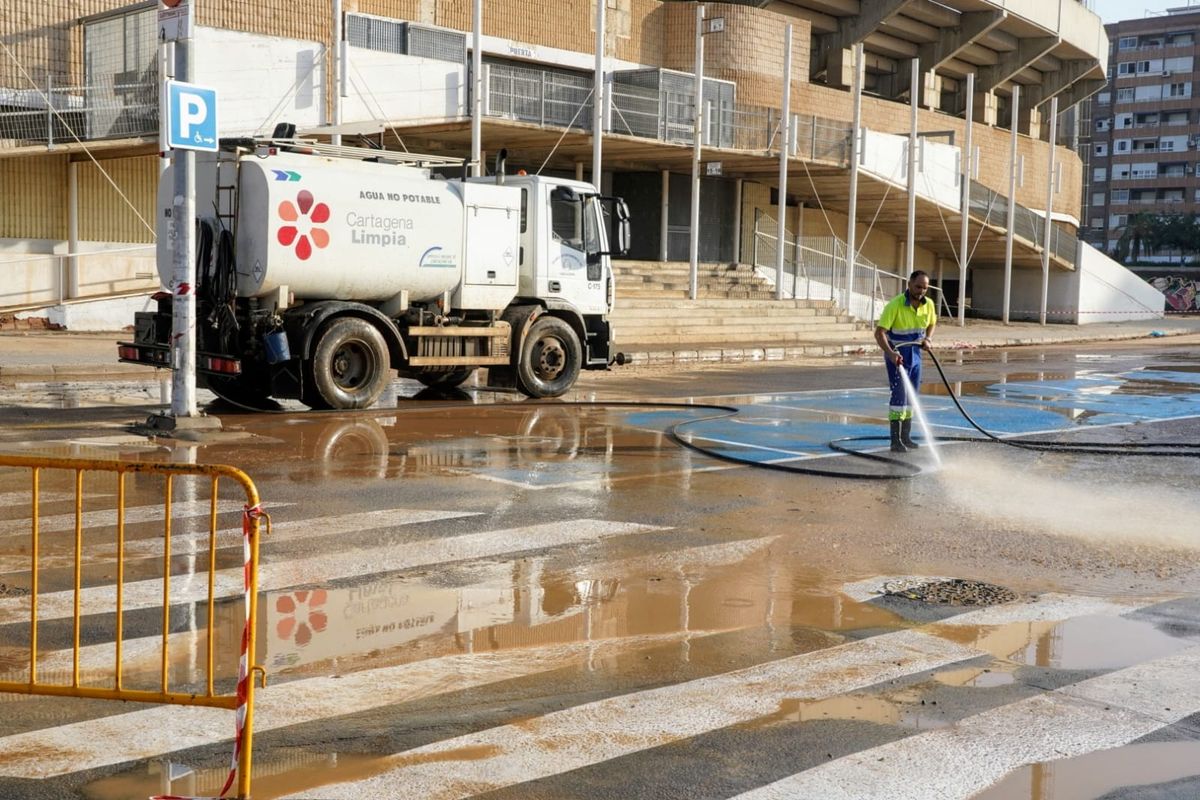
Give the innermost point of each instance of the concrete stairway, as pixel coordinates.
(735, 317)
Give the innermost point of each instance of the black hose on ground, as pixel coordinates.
(1161, 449)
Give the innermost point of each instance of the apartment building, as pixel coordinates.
(1144, 151)
(79, 155)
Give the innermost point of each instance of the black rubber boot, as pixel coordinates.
(906, 435)
(897, 445)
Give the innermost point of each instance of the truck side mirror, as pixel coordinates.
(616, 214)
(622, 228)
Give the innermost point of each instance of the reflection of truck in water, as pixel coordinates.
(325, 268)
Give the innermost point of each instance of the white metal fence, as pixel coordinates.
(95, 78)
(815, 268)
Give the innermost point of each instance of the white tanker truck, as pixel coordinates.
(321, 268)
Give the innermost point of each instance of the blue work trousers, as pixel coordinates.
(899, 406)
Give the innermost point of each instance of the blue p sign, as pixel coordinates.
(191, 117)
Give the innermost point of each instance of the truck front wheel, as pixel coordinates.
(349, 367)
(550, 358)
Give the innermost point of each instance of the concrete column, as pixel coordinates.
(985, 108)
(1030, 123)
(664, 229)
(737, 220)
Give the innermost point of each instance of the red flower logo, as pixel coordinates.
(304, 232)
(302, 616)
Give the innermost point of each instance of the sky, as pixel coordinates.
(1117, 10)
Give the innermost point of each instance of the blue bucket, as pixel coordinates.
(277, 347)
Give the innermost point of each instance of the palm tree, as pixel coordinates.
(1142, 233)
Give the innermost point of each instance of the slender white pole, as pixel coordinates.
(477, 88)
(72, 230)
(967, 172)
(698, 104)
(1049, 228)
(798, 246)
(910, 243)
(785, 144)
(183, 220)
(852, 211)
(664, 230)
(336, 70)
(598, 96)
(1012, 202)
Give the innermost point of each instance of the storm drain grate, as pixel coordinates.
(953, 592)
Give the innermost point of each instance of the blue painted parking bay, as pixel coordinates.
(798, 425)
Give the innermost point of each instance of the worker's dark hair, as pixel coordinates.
(918, 274)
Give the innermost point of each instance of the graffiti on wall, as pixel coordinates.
(1183, 294)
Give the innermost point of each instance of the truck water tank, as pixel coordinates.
(350, 230)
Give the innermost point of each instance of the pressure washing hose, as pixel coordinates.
(1162, 449)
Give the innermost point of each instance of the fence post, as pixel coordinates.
(50, 110)
(543, 96)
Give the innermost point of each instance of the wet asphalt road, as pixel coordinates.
(467, 586)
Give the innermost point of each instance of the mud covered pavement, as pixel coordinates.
(471, 596)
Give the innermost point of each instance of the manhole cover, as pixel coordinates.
(12, 591)
(953, 592)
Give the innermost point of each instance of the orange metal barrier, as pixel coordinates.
(241, 699)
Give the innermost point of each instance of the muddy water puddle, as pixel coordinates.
(1096, 775)
(1080, 643)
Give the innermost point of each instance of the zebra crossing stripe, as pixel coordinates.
(584, 735)
(24, 497)
(144, 652)
(321, 569)
(575, 737)
(144, 734)
(108, 517)
(231, 537)
(960, 761)
(645, 719)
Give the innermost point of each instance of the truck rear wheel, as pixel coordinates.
(349, 367)
(550, 358)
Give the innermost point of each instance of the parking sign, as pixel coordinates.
(191, 117)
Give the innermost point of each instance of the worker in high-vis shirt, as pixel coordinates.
(905, 326)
